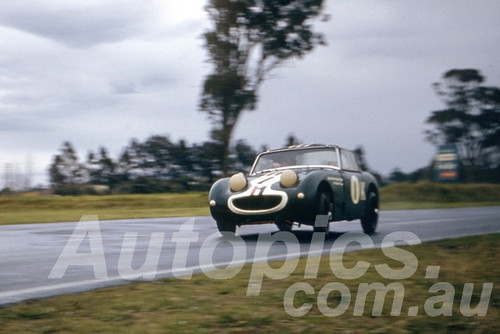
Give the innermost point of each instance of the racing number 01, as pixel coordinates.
(357, 190)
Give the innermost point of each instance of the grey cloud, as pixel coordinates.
(144, 84)
(413, 30)
(154, 80)
(128, 87)
(23, 122)
(76, 23)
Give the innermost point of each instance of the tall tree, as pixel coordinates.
(471, 118)
(101, 167)
(249, 39)
(66, 169)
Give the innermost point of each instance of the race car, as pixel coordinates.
(307, 184)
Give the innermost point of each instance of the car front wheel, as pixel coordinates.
(284, 226)
(226, 226)
(370, 219)
(323, 205)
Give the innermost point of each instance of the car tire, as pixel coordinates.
(370, 219)
(226, 226)
(284, 226)
(322, 208)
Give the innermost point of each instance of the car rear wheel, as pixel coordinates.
(226, 226)
(323, 205)
(370, 219)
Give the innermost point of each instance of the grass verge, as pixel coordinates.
(447, 193)
(431, 195)
(41, 209)
(204, 305)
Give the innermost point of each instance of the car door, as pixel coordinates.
(354, 187)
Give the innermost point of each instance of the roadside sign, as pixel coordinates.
(446, 163)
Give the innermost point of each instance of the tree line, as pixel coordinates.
(160, 165)
(155, 165)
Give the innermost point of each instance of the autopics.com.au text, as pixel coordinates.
(439, 303)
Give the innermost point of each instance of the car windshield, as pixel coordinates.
(296, 157)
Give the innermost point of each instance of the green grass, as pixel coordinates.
(37, 209)
(443, 193)
(409, 205)
(29, 208)
(204, 305)
(431, 195)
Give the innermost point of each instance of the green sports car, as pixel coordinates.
(306, 184)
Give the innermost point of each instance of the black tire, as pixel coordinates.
(284, 226)
(226, 226)
(323, 205)
(370, 219)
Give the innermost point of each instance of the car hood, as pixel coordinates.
(271, 177)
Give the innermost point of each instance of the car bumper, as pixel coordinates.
(294, 206)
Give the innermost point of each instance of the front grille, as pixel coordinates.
(257, 202)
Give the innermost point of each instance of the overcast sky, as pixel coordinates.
(100, 72)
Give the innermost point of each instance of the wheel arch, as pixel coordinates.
(372, 188)
(324, 186)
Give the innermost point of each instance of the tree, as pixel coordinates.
(65, 168)
(361, 156)
(471, 118)
(397, 175)
(102, 168)
(249, 39)
(67, 174)
(244, 156)
(157, 156)
(360, 153)
(291, 140)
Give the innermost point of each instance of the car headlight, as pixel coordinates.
(288, 178)
(237, 182)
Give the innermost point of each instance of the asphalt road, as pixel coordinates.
(42, 260)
